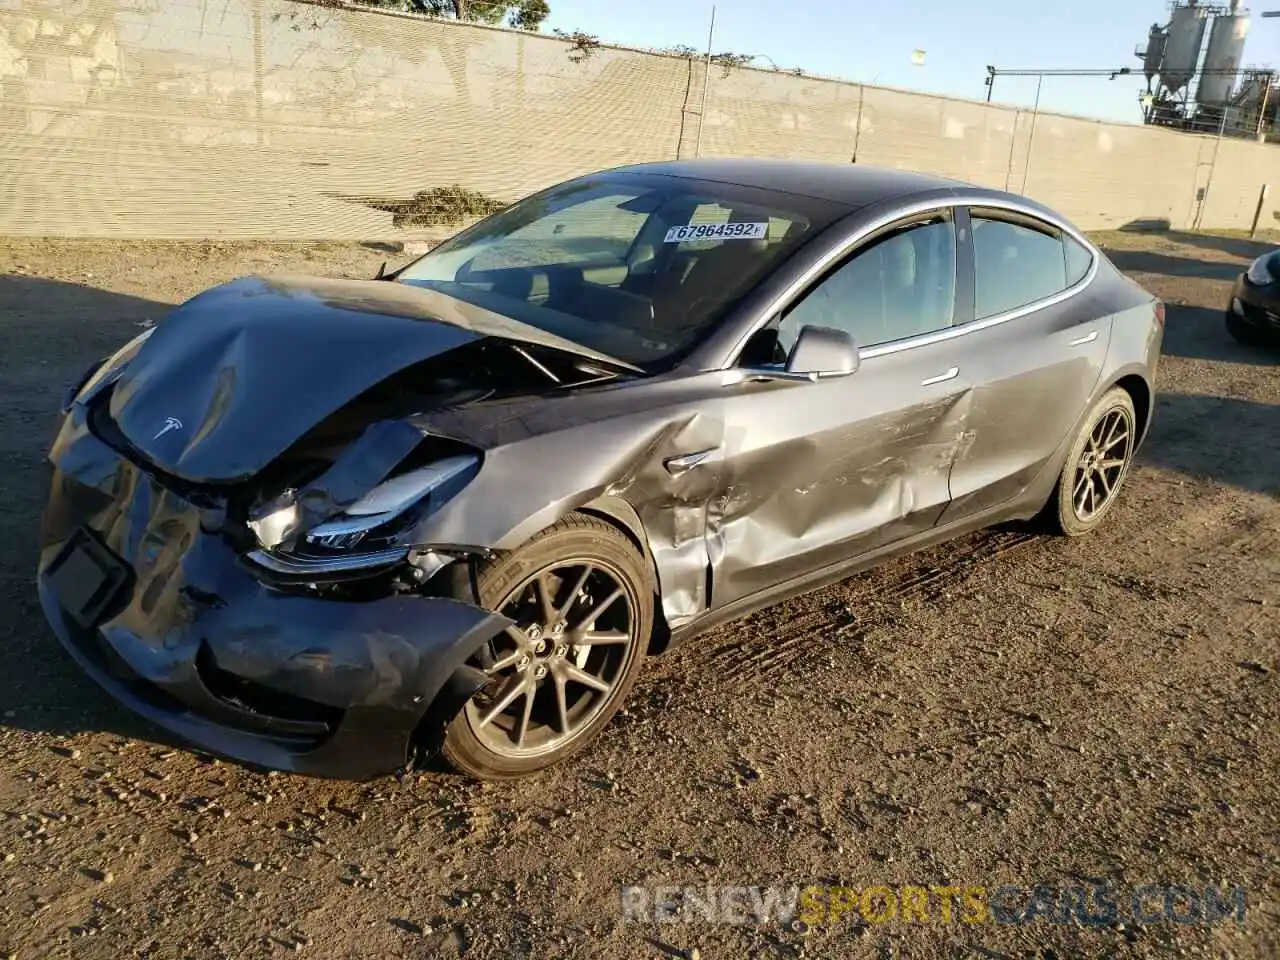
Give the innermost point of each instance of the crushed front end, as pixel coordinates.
(315, 664)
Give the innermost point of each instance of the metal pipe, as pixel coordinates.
(857, 131)
(706, 83)
(1257, 212)
(1213, 163)
(1262, 106)
(258, 59)
(1031, 137)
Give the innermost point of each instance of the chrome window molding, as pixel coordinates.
(788, 297)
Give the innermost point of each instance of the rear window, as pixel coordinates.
(639, 268)
(1079, 260)
(1014, 265)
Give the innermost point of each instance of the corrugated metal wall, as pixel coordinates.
(270, 119)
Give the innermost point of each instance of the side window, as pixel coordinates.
(901, 285)
(1079, 260)
(1014, 265)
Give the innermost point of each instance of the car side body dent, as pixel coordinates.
(535, 473)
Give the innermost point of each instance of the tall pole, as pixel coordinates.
(1262, 106)
(1213, 163)
(257, 67)
(706, 83)
(1031, 137)
(857, 131)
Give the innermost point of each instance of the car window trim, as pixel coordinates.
(1065, 259)
(944, 212)
(784, 300)
(978, 211)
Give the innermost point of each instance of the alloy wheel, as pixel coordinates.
(555, 670)
(1102, 464)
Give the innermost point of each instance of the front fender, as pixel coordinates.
(533, 481)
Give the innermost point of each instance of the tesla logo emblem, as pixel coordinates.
(170, 423)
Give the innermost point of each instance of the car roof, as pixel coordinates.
(856, 185)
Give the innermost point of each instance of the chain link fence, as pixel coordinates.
(283, 120)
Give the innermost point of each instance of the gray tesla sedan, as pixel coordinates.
(334, 526)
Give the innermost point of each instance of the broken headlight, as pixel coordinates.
(369, 518)
(276, 520)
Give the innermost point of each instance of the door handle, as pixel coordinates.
(686, 462)
(941, 378)
(1087, 338)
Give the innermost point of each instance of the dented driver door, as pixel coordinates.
(817, 473)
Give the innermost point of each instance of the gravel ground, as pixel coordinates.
(1006, 709)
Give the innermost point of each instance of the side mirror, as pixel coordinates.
(823, 352)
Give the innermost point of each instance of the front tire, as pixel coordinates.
(581, 598)
(1096, 467)
(1243, 333)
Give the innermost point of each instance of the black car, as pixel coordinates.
(332, 525)
(1253, 315)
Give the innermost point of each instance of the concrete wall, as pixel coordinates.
(264, 118)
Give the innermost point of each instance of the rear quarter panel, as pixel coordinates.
(1137, 338)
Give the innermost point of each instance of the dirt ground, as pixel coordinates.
(1005, 709)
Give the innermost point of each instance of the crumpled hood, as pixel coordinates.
(230, 379)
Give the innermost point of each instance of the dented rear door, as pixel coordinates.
(1036, 351)
(815, 473)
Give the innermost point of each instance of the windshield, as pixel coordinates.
(639, 268)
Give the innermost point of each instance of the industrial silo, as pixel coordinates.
(1221, 63)
(1185, 34)
(1153, 54)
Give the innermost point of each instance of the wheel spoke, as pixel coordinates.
(1098, 432)
(506, 696)
(545, 599)
(1110, 464)
(1123, 436)
(602, 638)
(1116, 422)
(595, 612)
(1106, 486)
(519, 636)
(587, 570)
(562, 705)
(1081, 492)
(578, 675)
(510, 660)
(530, 693)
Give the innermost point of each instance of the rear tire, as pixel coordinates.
(1096, 467)
(562, 672)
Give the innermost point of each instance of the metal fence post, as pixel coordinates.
(1031, 137)
(857, 130)
(706, 84)
(1257, 213)
(1260, 133)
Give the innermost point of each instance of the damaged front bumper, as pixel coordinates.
(151, 599)
(1256, 307)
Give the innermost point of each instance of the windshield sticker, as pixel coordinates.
(718, 231)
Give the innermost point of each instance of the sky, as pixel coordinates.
(873, 42)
